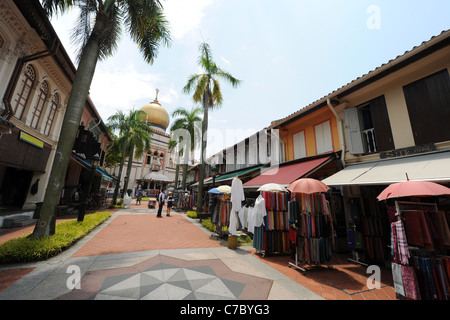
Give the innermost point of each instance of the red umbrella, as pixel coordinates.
(411, 188)
(307, 185)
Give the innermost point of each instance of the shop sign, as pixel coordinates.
(407, 151)
(31, 140)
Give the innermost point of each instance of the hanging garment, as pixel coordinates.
(413, 228)
(441, 226)
(410, 283)
(237, 194)
(398, 279)
(259, 211)
(250, 220)
(258, 238)
(402, 243)
(234, 223)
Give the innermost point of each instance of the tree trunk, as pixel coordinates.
(80, 89)
(177, 173)
(130, 165)
(119, 178)
(201, 175)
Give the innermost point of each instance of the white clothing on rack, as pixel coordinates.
(259, 211)
(237, 195)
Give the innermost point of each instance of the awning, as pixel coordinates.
(229, 176)
(87, 164)
(232, 175)
(428, 167)
(157, 176)
(286, 174)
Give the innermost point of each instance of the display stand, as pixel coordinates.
(314, 208)
(423, 262)
(221, 216)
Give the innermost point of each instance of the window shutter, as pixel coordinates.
(299, 145)
(355, 142)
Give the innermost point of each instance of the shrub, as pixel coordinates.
(191, 214)
(27, 249)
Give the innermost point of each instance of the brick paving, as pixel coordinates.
(138, 231)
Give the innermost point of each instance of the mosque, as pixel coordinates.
(155, 169)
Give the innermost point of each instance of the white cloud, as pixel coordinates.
(125, 88)
(225, 60)
(184, 16)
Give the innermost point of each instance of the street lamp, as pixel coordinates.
(214, 172)
(87, 189)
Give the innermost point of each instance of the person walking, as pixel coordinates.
(161, 198)
(139, 197)
(169, 203)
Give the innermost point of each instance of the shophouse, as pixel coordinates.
(36, 74)
(394, 118)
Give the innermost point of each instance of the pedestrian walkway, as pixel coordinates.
(134, 255)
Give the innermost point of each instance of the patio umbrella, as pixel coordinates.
(307, 185)
(411, 188)
(272, 187)
(224, 189)
(220, 190)
(214, 190)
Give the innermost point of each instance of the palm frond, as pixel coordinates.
(229, 78)
(191, 83)
(148, 27)
(216, 94)
(56, 6)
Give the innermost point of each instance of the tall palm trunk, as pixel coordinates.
(119, 178)
(80, 89)
(130, 165)
(201, 175)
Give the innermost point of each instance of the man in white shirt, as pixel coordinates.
(161, 197)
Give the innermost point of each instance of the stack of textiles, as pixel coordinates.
(433, 275)
(315, 203)
(314, 226)
(275, 238)
(223, 213)
(314, 251)
(276, 220)
(406, 284)
(427, 229)
(277, 201)
(276, 242)
(294, 211)
(311, 230)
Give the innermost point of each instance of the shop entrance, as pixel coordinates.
(14, 187)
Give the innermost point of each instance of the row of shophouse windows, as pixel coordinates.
(368, 125)
(23, 99)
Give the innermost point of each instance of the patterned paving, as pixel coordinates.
(167, 278)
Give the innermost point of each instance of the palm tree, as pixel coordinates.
(173, 148)
(207, 91)
(146, 25)
(139, 139)
(190, 121)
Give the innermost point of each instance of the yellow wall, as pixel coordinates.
(307, 124)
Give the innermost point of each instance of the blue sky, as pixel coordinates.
(288, 54)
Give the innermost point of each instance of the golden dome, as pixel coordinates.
(156, 114)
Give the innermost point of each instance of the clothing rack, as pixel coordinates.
(272, 236)
(311, 220)
(419, 272)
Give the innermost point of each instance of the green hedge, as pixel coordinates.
(27, 249)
